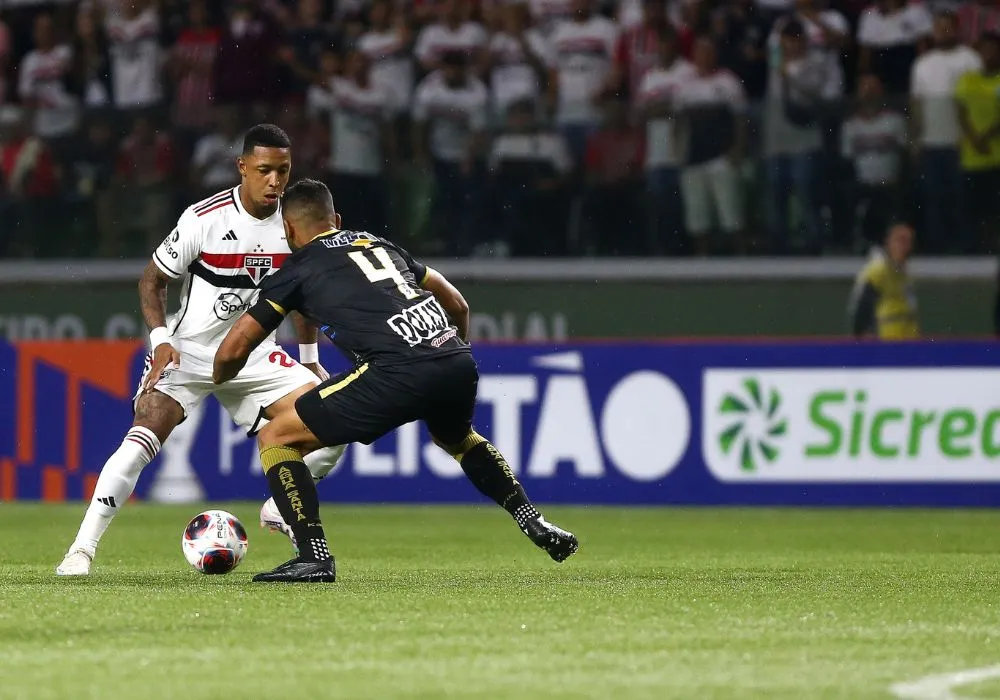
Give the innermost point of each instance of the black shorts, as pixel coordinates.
(364, 404)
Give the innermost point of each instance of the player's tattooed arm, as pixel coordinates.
(245, 335)
(153, 300)
(153, 296)
(451, 300)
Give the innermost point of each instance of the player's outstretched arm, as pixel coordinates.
(450, 298)
(242, 339)
(153, 300)
(307, 334)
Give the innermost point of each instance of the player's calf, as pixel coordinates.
(114, 487)
(489, 472)
(320, 463)
(294, 494)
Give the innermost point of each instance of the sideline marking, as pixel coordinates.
(939, 687)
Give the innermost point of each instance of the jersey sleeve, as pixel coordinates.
(182, 247)
(420, 102)
(418, 269)
(423, 49)
(866, 33)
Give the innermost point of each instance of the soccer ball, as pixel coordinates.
(214, 542)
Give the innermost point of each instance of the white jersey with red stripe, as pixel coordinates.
(223, 254)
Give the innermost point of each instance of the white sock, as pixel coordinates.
(322, 461)
(115, 485)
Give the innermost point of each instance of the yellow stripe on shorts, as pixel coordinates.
(334, 388)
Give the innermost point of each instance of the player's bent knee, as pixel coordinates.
(288, 430)
(458, 450)
(159, 413)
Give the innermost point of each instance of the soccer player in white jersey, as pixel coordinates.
(223, 247)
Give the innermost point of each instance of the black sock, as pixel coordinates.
(489, 472)
(294, 493)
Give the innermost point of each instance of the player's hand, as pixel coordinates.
(317, 369)
(165, 355)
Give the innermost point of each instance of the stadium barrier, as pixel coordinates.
(600, 423)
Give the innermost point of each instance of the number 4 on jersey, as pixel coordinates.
(387, 271)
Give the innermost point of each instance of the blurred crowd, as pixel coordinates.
(512, 127)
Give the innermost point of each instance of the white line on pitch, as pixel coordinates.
(939, 687)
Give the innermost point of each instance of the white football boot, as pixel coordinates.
(271, 519)
(75, 563)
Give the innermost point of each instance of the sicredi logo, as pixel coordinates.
(756, 427)
(871, 424)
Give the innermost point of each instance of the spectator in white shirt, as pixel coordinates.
(583, 51)
(136, 56)
(827, 33)
(873, 141)
(449, 115)
(655, 105)
(711, 108)
(529, 168)
(212, 163)
(454, 32)
(792, 135)
(516, 59)
(935, 133)
(42, 78)
(361, 141)
(890, 34)
(388, 44)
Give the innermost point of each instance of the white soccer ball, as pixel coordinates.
(214, 542)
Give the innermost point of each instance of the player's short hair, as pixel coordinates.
(266, 136)
(309, 198)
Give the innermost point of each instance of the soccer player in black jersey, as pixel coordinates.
(404, 326)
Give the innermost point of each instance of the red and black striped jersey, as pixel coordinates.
(223, 255)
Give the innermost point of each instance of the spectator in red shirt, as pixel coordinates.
(638, 49)
(28, 187)
(144, 172)
(192, 62)
(975, 18)
(614, 169)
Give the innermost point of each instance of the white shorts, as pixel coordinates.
(270, 374)
(712, 187)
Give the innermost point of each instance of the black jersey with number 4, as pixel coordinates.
(364, 292)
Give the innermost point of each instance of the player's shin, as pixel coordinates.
(115, 485)
(294, 492)
(489, 472)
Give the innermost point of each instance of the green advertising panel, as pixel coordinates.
(534, 310)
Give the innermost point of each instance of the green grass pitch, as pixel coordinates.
(455, 603)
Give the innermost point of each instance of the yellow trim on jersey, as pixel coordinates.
(334, 388)
(325, 233)
(427, 273)
(277, 307)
